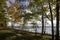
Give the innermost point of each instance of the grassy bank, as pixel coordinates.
(9, 34)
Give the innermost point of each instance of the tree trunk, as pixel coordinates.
(23, 26)
(57, 19)
(42, 20)
(51, 21)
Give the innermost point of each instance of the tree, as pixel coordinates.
(2, 13)
(51, 21)
(57, 19)
(14, 12)
(42, 20)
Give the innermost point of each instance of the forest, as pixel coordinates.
(29, 19)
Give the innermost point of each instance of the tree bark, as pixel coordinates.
(57, 19)
(42, 20)
(51, 21)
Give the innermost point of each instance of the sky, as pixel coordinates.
(22, 3)
(13, 1)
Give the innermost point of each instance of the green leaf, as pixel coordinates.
(0, 1)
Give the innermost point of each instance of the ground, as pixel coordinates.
(9, 34)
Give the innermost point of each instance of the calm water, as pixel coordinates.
(47, 29)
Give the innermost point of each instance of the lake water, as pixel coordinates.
(47, 29)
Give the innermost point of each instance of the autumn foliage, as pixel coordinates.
(14, 12)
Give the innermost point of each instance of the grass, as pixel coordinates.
(22, 35)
